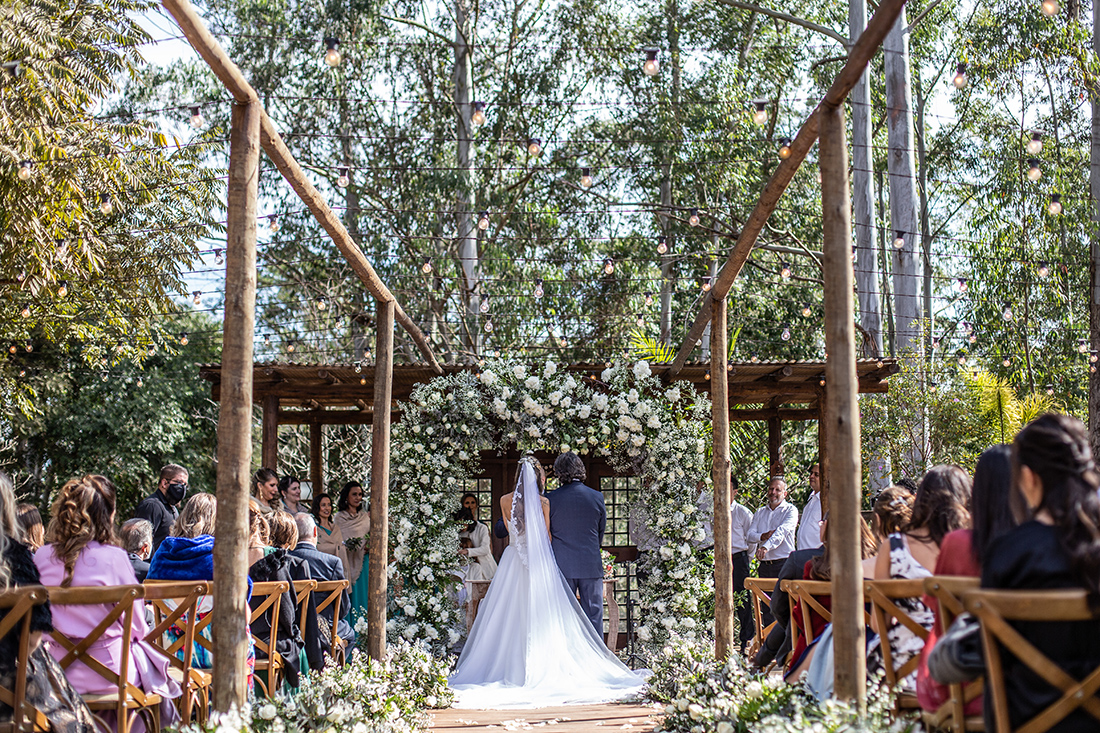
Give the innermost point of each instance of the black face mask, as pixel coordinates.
(175, 492)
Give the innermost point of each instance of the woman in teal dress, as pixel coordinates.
(329, 537)
(353, 519)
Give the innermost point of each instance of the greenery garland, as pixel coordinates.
(628, 416)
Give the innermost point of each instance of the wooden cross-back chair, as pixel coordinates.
(127, 699)
(995, 609)
(885, 612)
(269, 668)
(948, 591)
(809, 593)
(175, 604)
(331, 593)
(18, 604)
(760, 592)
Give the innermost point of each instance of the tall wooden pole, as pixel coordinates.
(316, 461)
(720, 474)
(842, 413)
(380, 483)
(269, 441)
(1094, 249)
(235, 414)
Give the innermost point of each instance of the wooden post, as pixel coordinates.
(842, 413)
(231, 635)
(823, 451)
(720, 475)
(316, 463)
(269, 453)
(775, 441)
(380, 483)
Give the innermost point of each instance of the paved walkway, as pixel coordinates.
(570, 719)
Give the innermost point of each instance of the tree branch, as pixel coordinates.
(421, 26)
(920, 16)
(790, 19)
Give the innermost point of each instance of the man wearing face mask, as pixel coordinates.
(161, 507)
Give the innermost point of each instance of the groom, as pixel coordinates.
(577, 522)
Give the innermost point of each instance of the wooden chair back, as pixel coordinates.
(269, 597)
(996, 609)
(17, 605)
(302, 589)
(119, 602)
(809, 594)
(885, 612)
(175, 604)
(760, 592)
(948, 591)
(331, 593)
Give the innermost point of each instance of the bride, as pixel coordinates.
(531, 644)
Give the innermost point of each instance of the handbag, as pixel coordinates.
(958, 656)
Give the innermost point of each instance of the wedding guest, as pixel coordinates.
(47, 689)
(160, 506)
(962, 553)
(82, 551)
(809, 525)
(938, 509)
(290, 492)
(469, 501)
(188, 554)
(30, 521)
(740, 519)
(773, 530)
(284, 536)
(329, 537)
(137, 539)
(265, 491)
(892, 510)
(353, 518)
(480, 563)
(324, 567)
(1056, 545)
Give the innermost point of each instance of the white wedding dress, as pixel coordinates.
(531, 645)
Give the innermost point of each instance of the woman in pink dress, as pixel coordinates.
(82, 550)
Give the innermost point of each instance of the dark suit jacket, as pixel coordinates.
(323, 566)
(141, 567)
(577, 522)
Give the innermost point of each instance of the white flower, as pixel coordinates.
(550, 370)
(642, 370)
(519, 371)
(754, 690)
(600, 402)
(565, 448)
(533, 431)
(506, 392)
(584, 412)
(653, 422)
(638, 441)
(632, 396)
(566, 402)
(672, 394)
(555, 397)
(695, 710)
(532, 382)
(725, 727)
(605, 375)
(268, 712)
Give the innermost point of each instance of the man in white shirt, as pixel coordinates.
(809, 527)
(773, 529)
(740, 518)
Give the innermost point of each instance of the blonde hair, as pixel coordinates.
(9, 528)
(197, 517)
(30, 522)
(257, 525)
(284, 532)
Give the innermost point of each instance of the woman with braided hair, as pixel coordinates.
(1056, 545)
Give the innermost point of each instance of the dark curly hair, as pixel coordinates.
(83, 512)
(940, 505)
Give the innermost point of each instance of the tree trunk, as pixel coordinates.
(666, 259)
(1094, 259)
(467, 229)
(863, 196)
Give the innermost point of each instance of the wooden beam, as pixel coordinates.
(775, 443)
(380, 484)
(269, 453)
(231, 77)
(230, 620)
(858, 57)
(326, 417)
(724, 637)
(316, 466)
(767, 413)
(842, 413)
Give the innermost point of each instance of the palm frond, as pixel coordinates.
(650, 349)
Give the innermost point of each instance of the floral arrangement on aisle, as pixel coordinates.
(703, 696)
(643, 427)
(608, 562)
(364, 696)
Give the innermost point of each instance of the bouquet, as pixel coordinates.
(608, 561)
(355, 543)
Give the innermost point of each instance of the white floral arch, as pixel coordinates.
(656, 433)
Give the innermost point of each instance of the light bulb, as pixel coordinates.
(478, 117)
(760, 116)
(267, 339)
(1050, 7)
(1034, 173)
(272, 223)
(26, 312)
(321, 301)
(13, 349)
(935, 343)
(785, 270)
(362, 380)
(140, 382)
(586, 177)
(959, 80)
(483, 220)
(1035, 144)
(105, 205)
(693, 217)
(972, 338)
(785, 148)
(662, 245)
(806, 310)
(786, 335)
(489, 326)
(1055, 206)
(358, 367)
(1007, 313)
(484, 307)
(962, 359)
(707, 375)
(963, 285)
(290, 347)
(63, 289)
(649, 298)
(343, 180)
(652, 66)
(1044, 269)
(218, 258)
(1050, 389)
(534, 147)
(1082, 346)
(608, 266)
(196, 297)
(899, 240)
(152, 349)
(104, 376)
(704, 284)
(196, 117)
(1006, 362)
(25, 170)
(332, 56)
(1094, 356)
(426, 266)
(539, 291)
(184, 340)
(638, 320)
(22, 373)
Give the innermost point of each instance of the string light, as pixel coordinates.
(534, 147)
(935, 343)
(140, 382)
(63, 289)
(1044, 269)
(539, 291)
(586, 177)
(1050, 8)
(358, 367)
(272, 223)
(1094, 356)
(1033, 171)
(1035, 144)
(649, 298)
(26, 312)
(1050, 389)
(785, 270)
(959, 80)
(322, 302)
(196, 297)
(899, 240)
(1007, 312)
(426, 266)
(196, 117)
(25, 168)
(806, 309)
(662, 244)
(1082, 346)
(105, 205)
(785, 148)
(13, 349)
(760, 116)
(362, 381)
(332, 55)
(489, 325)
(786, 335)
(1006, 362)
(652, 66)
(184, 340)
(290, 347)
(961, 356)
(1054, 208)
(608, 266)
(704, 283)
(963, 285)
(639, 320)
(267, 339)
(218, 258)
(478, 117)
(483, 220)
(693, 217)
(973, 336)
(21, 276)
(343, 180)
(484, 307)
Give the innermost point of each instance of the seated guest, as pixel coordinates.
(82, 551)
(962, 553)
(939, 508)
(188, 554)
(47, 688)
(892, 511)
(330, 539)
(324, 567)
(1056, 545)
(777, 644)
(284, 535)
(268, 564)
(290, 492)
(30, 521)
(137, 539)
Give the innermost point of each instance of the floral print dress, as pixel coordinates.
(903, 643)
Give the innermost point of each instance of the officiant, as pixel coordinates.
(475, 548)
